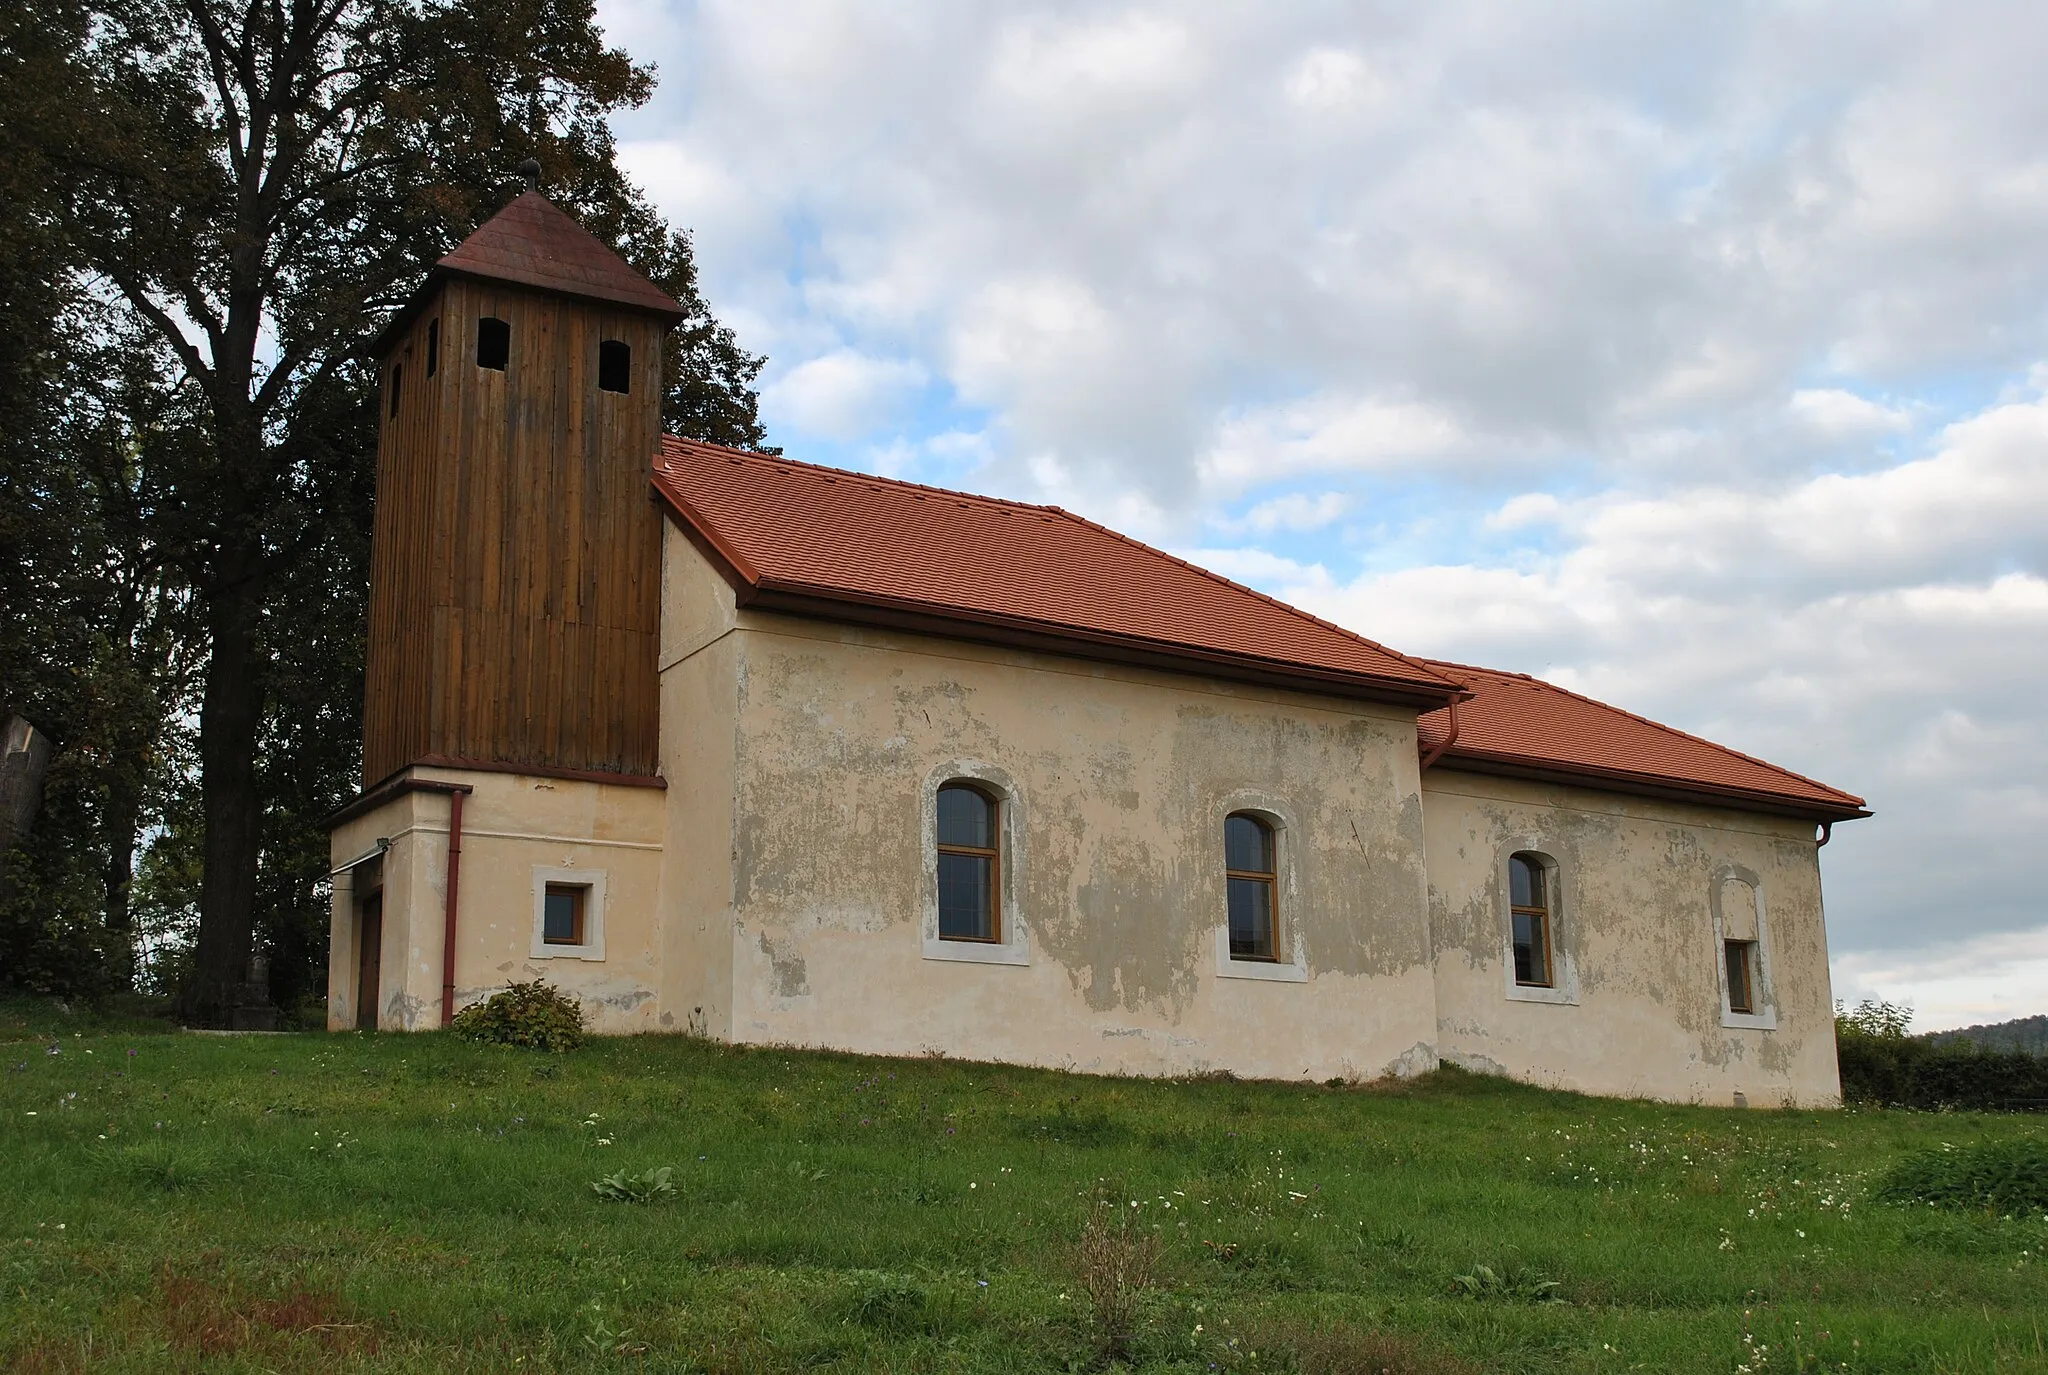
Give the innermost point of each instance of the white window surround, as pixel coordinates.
(1564, 963)
(591, 880)
(1765, 1018)
(1015, 945)
(1292, 966)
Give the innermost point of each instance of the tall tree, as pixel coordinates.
(90, 623)
(258, 182)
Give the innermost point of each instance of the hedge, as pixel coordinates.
(1907, 1072)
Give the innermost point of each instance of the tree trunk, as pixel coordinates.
(232, 810)
(124, 816)
(24, 757)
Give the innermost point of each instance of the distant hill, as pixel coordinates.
(2022, 1033)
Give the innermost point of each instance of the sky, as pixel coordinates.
(1694, 357)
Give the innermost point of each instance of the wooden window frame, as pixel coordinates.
(993, 854)
(1741, 955)
(581, 929)
(1541, 912)
(1271, 878)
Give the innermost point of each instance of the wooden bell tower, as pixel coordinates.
(515, 584)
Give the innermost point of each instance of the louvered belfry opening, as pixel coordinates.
(516, 575)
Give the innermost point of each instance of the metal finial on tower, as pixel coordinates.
(530, 169)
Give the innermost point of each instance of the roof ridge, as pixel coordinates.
(1659, 725)
(859, 476)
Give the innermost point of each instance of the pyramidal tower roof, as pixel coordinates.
(535, 243)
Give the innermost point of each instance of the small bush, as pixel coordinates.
(1117, 1260)
(645, 1187)
(2003, 1176)
(524, 1015)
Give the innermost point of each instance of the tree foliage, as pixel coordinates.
(210, 206)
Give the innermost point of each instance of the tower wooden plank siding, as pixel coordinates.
(516, 575)
(701, 762)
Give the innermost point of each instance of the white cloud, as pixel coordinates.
(1325, 434)
(842, 395)
(1336, 79)
(1293, 511)
(1837, 414)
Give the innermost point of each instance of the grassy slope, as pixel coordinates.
(415, 1203)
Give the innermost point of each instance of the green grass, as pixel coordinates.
(317, 1202)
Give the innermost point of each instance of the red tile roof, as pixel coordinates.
(535, 243)
(1516, 724)
(800, 538)
(797, 537)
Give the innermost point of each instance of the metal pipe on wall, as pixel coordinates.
(448, 916)
(1443, 744)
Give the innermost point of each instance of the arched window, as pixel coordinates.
(1248, 862)
(969, 864)
(493, 343)
(1530, 903)
(615, 366)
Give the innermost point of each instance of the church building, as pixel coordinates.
(744, 747)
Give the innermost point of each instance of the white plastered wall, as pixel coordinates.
(1642, 1008)
(519, 832)
(1117, 781)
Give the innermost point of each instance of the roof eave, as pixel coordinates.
(437, 277)
(1648, 785)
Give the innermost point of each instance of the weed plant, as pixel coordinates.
(382, 1203)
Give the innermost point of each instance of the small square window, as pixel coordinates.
(562, 914)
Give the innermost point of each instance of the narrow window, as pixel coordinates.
(1529, 878)
(433, 346)
(615, 366)
(1741, 957)
(1248, 865)
(396, 369)
(493, 343)
(562, 914)
(968, 856)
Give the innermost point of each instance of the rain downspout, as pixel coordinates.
(1436, 751)
(1827, 833)
(448, 916)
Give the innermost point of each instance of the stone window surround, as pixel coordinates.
(1288, 941)
(1564, 963)
(1015, 945)
(1765, 1018)
(593, 881)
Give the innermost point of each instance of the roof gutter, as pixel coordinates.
(1641, 785)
